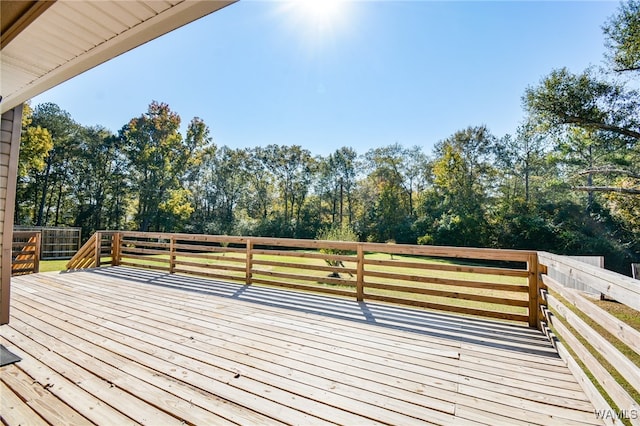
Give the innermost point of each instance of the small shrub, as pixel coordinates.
(336, 233)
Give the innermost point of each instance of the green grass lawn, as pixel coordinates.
(53, 265)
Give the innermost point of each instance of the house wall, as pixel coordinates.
(10, 127)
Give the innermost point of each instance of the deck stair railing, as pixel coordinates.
(97, 251)
(25, 252)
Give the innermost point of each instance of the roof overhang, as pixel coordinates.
(44, 43)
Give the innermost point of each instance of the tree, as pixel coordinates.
(99, 181)
(52, 182)
(225, 182)
(622, 33)
(293, 169)
(259, 198)
(519, 160)
(608, 109)
(35, 145)
(336, 184)
(463, 175)
(160, 159)
(389, 192)
(336, 232)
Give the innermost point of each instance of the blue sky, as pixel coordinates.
(370, 74)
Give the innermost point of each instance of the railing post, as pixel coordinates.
(36, 256)
(98, 248)
(532, 281)
(249, 262)
(172, 254)
(115, 249)
(360, 274)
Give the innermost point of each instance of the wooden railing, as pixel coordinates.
(97, 251)
(25, 252)
(504, 284)
(492, 283)
(593, 336)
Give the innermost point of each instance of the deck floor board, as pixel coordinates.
(144, 347)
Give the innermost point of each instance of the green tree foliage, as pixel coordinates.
(292, 168)
(388, 193)
(336, 232)
(463, 176)
(222, 184)
(594, 120)
(622, 33)
(159, 160)
(336, 185)
(99, 180)
(35, 145)
(49, 185)
(520, 163)
(607, 109)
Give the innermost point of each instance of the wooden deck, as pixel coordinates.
(121, 346)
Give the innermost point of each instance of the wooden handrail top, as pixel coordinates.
(408, 249)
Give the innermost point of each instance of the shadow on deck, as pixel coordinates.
(495, 334)
(129, 346)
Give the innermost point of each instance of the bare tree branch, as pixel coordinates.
(610, 171)
(599, 125)
(626, 69)
(632, 191)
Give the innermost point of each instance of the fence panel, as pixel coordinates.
(57, 242)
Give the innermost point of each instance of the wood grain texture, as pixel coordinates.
(149, 347)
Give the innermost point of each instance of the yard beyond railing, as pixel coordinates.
(492, 283)
(503, 284)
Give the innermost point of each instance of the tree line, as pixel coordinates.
(567, 181)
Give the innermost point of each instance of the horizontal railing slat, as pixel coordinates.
(449, 294)
(321, 280)
(205, 256)
(606, 380)
(449, 308)
(324, 268)
(205, 266)
(627, 334)
(449, 268)
(625, 367)
(616, 286)
(307, 255)
(449, 282)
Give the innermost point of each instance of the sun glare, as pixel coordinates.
(320, 15)
(318, 24)
(321, 11)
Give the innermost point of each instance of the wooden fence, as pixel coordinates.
(56, 242)
(491, 283)
(591, 335)
(25, 252)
